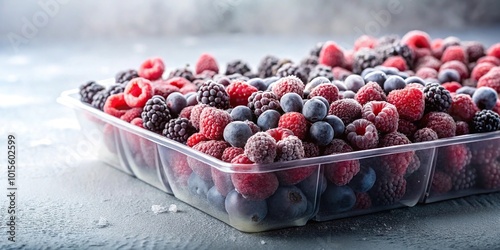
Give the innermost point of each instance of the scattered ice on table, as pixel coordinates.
(157, 209)
(262, 242)
(172, 208)
(102, 223)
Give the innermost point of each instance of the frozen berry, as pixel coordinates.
(321, 133)
(212, 148)
(424, 134)
(460, 67)
(494, 50)
(179, 129)
(213, 94)
(490, 59)
(175, 103)
(152, 69)
(454, 53)
(261, 101)
(442, 123)
(126, 75)
(279, 133)
(414, 79)
(288, 84)
(437, 98)
(261, 148)
(266, 65)
(491, 79)
(89, 90)
(99, 99)
(238, 92)
(268, 120)
(481, 69)
(195, 139)
(382, 114)
(465, 179)
(244, 211)
(397, 62)
(340, 173)
(294, 175)
(370, 92)
(362, 134)
(287, 203)
(394, 82)
(485, 121)
(468, 90)
(329, 91)
(258, 83)
(394, 164)
(230, 153)
(448, 75)
(216, 199)
(183, 72)
(289, 148)
(363, 180)
(212, 123)
(337, 199)
(410, 103)
(241, 113)
(206, 62)
(137, 92)
(485, 97)
(453, 159)
(376, 76)
(388, 190)
(331, 55)
(462, 128)
(354, 82)
(294, 121)
(347, 110)
(237, 67)
(441, 182)
(237, 133)
(155, 114)
(489, 175)
(115, 105)
(426, 72)
(314, 110)
(199, 187)
(336, 123)
(255, 186)
(291, 102)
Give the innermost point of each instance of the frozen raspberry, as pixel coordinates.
(460, 67)
(413, 166)
(349, 59)
(279, 133)
(178, 164)
(426, 72)
(161, 87)
(137, 122)
(115, 105)
(255, 186)
(463, 108)
(425, 134)
(462, 128)
(437, 98)
(331, 55)
(418, 41)
(437, 47)
(239, 92)
(347, 110)
(89, 90)
(382, 114)
(485, 121)
(465, 179)
(494, 50)
(222, 181)
(100, 97)
(491, 59)
(253, 127)
(397, 62)
(329, 91)
(152, 68)
(388, 190)
(489, 175)
(261, 148)
(131, 114)
(182, 84)
(230, 153)
(441, 183)
(370, 92)
(241, 159)
(186, 112)
(213, 148)
(288, 84)
(410, 103)
(441, 122)
(213, 94)
(340, 173)
(340, 73)
(453, 158)
(480, 70)
(407, 128)
(485, 152)
(363, 201)
(294, 121)
(365, 41)
(179, 129)
(212, 123)
(310, 149)
(206, 62)
(453, 53)
(474, 50)
(491, 79)
(261, 101)
(362, 134)
(452, 87)
(137, 92)
(195, 139)
(196, 113)
(294, 175)
(428, 62)
(394, 164)
(289, 148)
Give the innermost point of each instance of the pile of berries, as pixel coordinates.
(384, 92)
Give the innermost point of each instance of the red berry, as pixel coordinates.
(242, 159)
(196, 113)
(462, 128)
(347, 110)
(453, 158)
(428, 62)
(426, 72)
(310, 149)
(489, 175)
(394, 164)
(441, 183)
(462, 108)
(340, 73)
(137, 122)
(459, 66)
(206, 62)
(213, 148)
(162, 88)
(329, 91)
(484, 152)
(410, 103)
(261, 148)
(179, 166)
(186, 112)
(340, 173)
(255, 186)
(294, 175)
(279, 133)
(388, 190)
(417, 39)
(441, 122)
(331, 55)
(213, 121)
(413, 166)
(296, 122)
(481, 69)
(491, 79)
(137, 92)
(115, 105)
(131, 114)
(195, 139)
(454, 53)
(178, 82)
(238, 92)
(452, 87)
(152, 68)
(382, 114)
(424, 134)
(370, 92)
(365, 41)
(363, 201)
(490, 59)
(397, 62)
(222, 181)
(230, 153)
(494, 50)
(362, 134)
(288, 84)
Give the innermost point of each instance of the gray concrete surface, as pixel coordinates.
(63, 191)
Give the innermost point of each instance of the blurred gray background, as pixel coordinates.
(71, 19)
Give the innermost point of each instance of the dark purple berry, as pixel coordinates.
(216, 199)
(314, 110)
(337, 125)
(354, 82)
(244, 211)
(287, 203)
(376, 76)
(415, 79)
(321, 133)
(237, 133)
(337, 199)
(485, 98)
(241, 113)
(268, 120)
(175, 103)
(291, 102)
(448, 75)
(364, 180)
(394, 82)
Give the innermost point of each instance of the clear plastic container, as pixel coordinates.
(206, 183)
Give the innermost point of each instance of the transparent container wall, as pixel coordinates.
(368, 185)
(204, 186)
(465, 169)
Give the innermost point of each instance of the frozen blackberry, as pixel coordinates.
(182, 72)
(465, 179)
(388, 40)
(365, 58)
(125, 76)
(266, 65)
(317, 49)
(437, 98)
(213, 94)
(280, 63)
(485, 121)
(89, 90)
(179, 129)
(237, 66)
(321, 70)
(302, 72)
(155, 114)
(261, 101)
(397, 50)
(100, 97)
(310, 61)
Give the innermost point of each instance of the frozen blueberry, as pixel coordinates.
(466, 90)
(485, 98)
(448, 75)
(216, 199)
(237, 133)
(191, 99)
(175, 103)
(403, 75)
(337, 125)
(340, 85)
(268, 120)
(354, 82)
(364, 180)
(430, 80)
(348, 94)
(258, 83)
(387, 70)
(321, 133)
(224, 81)
(199, 187)
(415, 79)
(314, 110)
(287, 203)
(337, 199)
(394, 82)
(376, 76)
(366, 72)
(324, 100)
(270, 81)
(244, 211)
(311, 185)
(315, 82)
(291, 102)
(241, 113)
